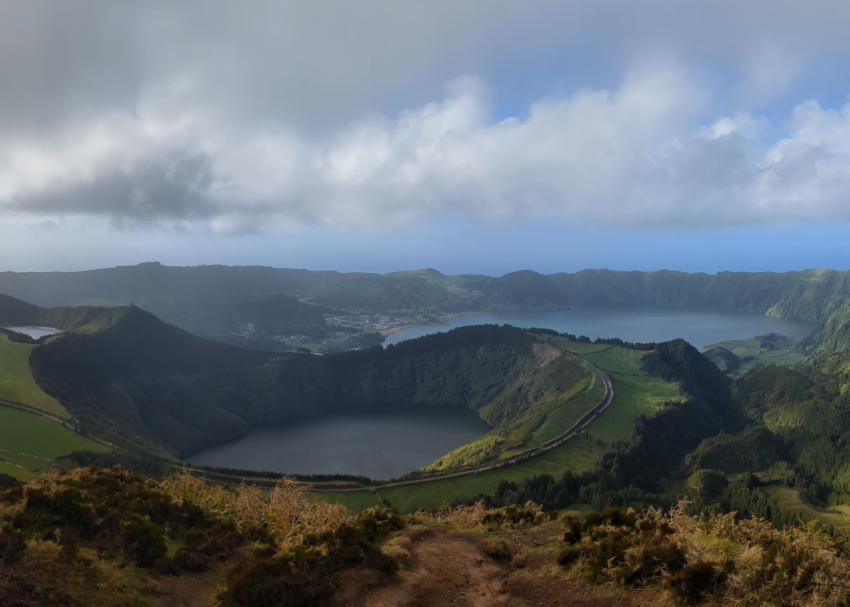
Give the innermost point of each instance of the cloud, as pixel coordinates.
(208, 116)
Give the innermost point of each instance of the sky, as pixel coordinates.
(470, 136)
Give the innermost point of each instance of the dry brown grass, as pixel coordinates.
(284, 512)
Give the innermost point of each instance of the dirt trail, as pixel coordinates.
(447, 570)
(184, 591)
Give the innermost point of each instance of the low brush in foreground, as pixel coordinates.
(111, 537)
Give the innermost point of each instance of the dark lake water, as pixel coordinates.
(380, 444)
(34, 332)
(699, 328)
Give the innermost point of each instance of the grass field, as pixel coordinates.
(17, 383)
(752, 348)
(577, 455)
(635, 393)
(790, 498)
(29, 441)
(562, 418)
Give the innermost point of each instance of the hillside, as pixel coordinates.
(81, 319)
(830, 338)
(142, 377)
(110, 537)
(807, 295)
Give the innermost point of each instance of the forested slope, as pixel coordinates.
(145, 378)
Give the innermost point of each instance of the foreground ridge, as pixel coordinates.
(94, 536)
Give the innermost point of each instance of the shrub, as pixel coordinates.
(143, 542)
(500, 551)
(12, 545)
(308, 574)
(694, 580)
(513, 517)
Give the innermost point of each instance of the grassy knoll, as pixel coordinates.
(577, 455)
(790, 499)
(752, 353)
(635, 392)
(566, 415)
(30, 441)
(522, 413)
(17, 383)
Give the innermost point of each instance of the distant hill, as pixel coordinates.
(269, 315)
(14, 312)
(807, 295)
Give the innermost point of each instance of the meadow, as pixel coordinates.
(29, 442)
(790, 499)
(635, 392)
(578, 455)
(16, 381)
(751, 348)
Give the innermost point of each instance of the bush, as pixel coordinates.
(694, 580)
(143, 542)
(513, 517)
(308, 574)
(12, 545)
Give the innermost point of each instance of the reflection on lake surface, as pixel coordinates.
(380, 444)
(34, 332)
(699, 327)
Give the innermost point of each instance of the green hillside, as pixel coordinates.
(29, 443)
(16, 381)
(832, 337)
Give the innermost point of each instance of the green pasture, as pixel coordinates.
(31, 441)
(561, 419)
(743, 348)
(635, 392)
(577, 455)
(790, 499)
(17, 383)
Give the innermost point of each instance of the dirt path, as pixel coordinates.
(183, 591)
(448, 570)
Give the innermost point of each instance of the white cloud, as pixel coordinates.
(204, 116)
(631, 158)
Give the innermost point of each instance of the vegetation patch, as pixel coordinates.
(635, 392)
(737, 357)
(29, 442)
(713, 558)
(16, 380)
